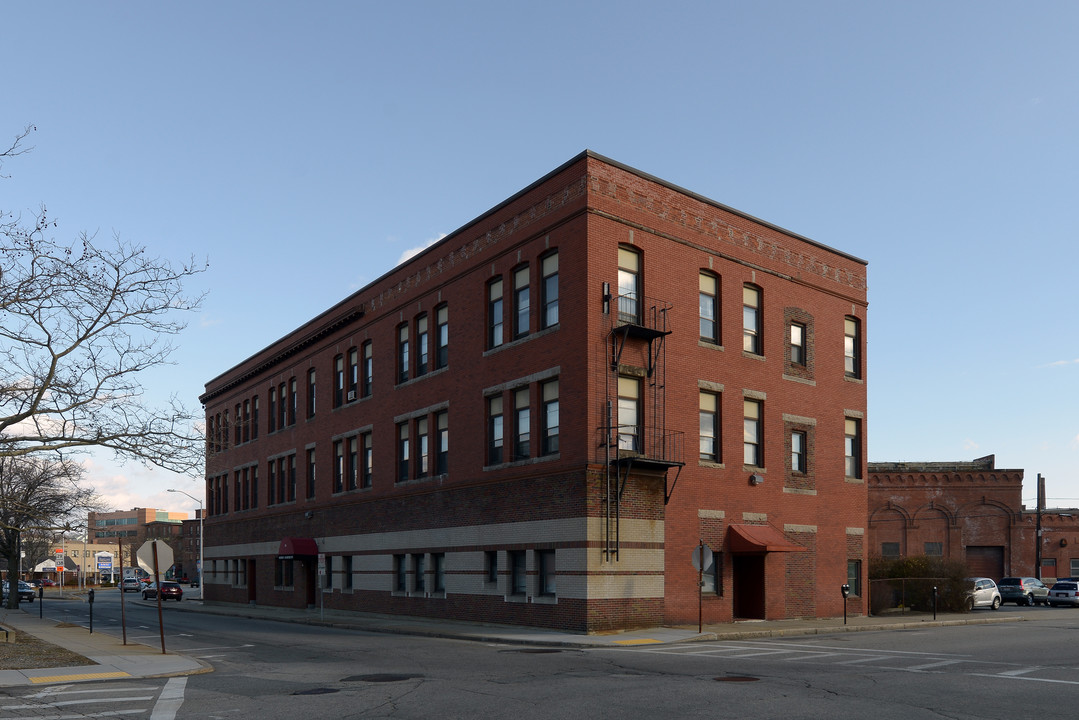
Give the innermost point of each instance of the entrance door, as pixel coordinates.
(986, 561)
(748, 576)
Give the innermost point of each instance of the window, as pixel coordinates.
(271, 482)
(518, 573)
(346, 572)
(353, 381)
(402, 353)
(247, 421)
(282, 408)
(422, 345)
(254, 487)
(423, 449)
(629, 286)
(495, 437)
(292, 477)
(311, 393)
(352, 465)
(282, 573)
(327, 579)
(400, 573)
(419, 572)
(549, 417)
(545, 560)
(629, 414)
(494, 314)
(273, 409)
(798, 344)
(402, 452)
(798, 452)
(854, 577)
(310, 473)
(752, 435)
(853, 448)
(889, 549)
(338, 466)
(338, 381)
(367, 368)
(281, 480)
(490, 565)
(254, 417)
(852, 365)
(237, 426)
(522, 446)
(934, 549)
(442, 443)
(751, 320)
(293, 400)
(709, 292)
(549, 290)
(709, 413)
(521, 302)
(438, 566)
(442, 337)
(367, 456)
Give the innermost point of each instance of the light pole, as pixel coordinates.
(202, 589)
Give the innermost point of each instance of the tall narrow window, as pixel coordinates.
(751, 320)
(854, 577)
(853, 447)
(293, 400)
(442, 443)
(521, 302)
(282, 479)
(273, 410)
(709, 307)
(495, 437)
(247, 421)
(353, 381)
(311, 393)
(254, 486)
(368, 367)
(271, 482)
(310, 473)
(522, 446)
(292, 477)
(419, 578)
(549, 290)
(422, 345)
(752, 434)
(402, 353)
(338, 380)
(367, 456)
(629, 286)
(549, 417)
(338, 466)
(629, 414)
(255, 417)
(442, 337)
(353, 462)
(518, 572)
(798, 344)
(852, 364)
(494, 314)
(238, 433)
(709, 421)
(400, 573)
(423, 450)
(545, 560)
(282, 407)
(798, 452)
(438, 567)
(403, 452)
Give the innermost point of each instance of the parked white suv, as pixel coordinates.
(130, 584)
(983, 594)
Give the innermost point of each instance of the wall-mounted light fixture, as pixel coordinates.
(755, 479)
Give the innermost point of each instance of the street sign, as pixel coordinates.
(322, 563)
(700, 564)
(145, 556)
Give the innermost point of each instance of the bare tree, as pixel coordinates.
(37, 493)
(80, 324)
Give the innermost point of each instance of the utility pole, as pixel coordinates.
(1038, 534)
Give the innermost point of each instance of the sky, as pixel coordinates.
(304, 149)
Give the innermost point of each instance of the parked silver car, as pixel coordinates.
(984, 593)
(1064, 592)
(1023, 591)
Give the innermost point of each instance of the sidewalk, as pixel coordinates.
(113, 659)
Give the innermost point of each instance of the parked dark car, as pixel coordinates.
(168, 590)
(26, 591)
(1064, 592)
(1023, 591)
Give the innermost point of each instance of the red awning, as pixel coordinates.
(295, 547)
(758, 539)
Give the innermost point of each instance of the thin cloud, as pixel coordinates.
(413, 251)
(1062, 363)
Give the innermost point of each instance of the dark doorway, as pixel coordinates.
(748, 576)
(252, 580)
(308, 565)
(986, 561)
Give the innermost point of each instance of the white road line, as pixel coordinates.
(929, 666)
(1020, 671)
(998, 676)
(169, 701)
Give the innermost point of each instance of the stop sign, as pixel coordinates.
(145, 556)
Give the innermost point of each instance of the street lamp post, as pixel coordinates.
(202, 587)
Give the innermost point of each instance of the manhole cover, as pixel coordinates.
(315, 691)
(381, 678)
(737, 678)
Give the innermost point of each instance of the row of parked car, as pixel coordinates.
(1023, 591)
(169, 589)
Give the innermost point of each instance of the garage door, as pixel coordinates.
(986, 561)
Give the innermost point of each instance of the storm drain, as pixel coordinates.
(381, 678)
(737, 678)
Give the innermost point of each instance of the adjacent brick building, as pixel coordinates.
(578, 342)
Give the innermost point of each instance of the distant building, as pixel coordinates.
(578, 342)
(131, 528)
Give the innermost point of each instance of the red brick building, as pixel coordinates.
(626, 369)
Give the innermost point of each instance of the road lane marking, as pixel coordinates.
(169, 701)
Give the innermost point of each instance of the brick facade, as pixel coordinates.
(587, 525)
